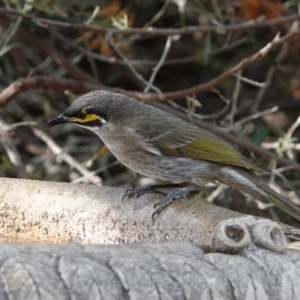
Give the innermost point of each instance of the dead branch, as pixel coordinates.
(44, 82)
(11, 149)
(147, 62)
(52, 212)
(151, 30)
(81, 87)
(56, 56)
(277, 41)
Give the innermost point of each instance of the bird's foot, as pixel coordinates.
(177, 194)
(135, 193)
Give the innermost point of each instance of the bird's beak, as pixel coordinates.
(59, 120)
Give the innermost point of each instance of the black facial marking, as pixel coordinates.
(96, 123)
(80, 115)
(101, 115)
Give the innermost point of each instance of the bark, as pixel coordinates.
(50, 212)
(35, 211)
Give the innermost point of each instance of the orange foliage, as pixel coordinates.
(114, 10)
(96, 41)
(269, 8)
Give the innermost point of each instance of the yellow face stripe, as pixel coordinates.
(88, 118)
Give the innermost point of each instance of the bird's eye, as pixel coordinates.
(81, 115)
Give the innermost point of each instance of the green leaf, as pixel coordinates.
(260, 135)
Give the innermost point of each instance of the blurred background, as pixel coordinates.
(48, 58)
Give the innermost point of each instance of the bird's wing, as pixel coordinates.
(195, 143)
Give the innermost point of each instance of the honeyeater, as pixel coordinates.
(157, 144)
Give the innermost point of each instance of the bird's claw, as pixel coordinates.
(129, 193)
(177, 194)
(135, 193)
(158, 208)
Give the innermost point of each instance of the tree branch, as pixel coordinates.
(52, 212)
(150, 30)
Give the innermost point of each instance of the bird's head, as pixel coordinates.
(92, 110)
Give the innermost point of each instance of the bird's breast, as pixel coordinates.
(168, 168)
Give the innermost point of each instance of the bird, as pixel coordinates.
(156, 144)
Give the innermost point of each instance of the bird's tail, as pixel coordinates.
(247, 181)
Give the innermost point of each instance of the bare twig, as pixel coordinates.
(56, 149)
(62, 61)
(131, 68)
(11, 149)
(216, 81)
(11, 31)
(293, 128)
(82, 87)
(150, 30)
(43, 82)
(147, 62)
(263, 89)
(287, 139)
(203, 117)
(286, 143)
(255, 116)
(250, 81)
(220, 113)
(57, 57)
(159, 64)
(65, 156)
(235, 97)
(269, 77)
(159, 14)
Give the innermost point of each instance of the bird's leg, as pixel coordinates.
(179, 193)
(130, 193)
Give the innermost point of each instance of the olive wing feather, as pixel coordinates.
(207, 148)
(195, 143)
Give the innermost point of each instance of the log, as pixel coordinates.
(247, 259)
(35, 211)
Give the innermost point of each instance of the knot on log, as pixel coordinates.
(234, 235)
